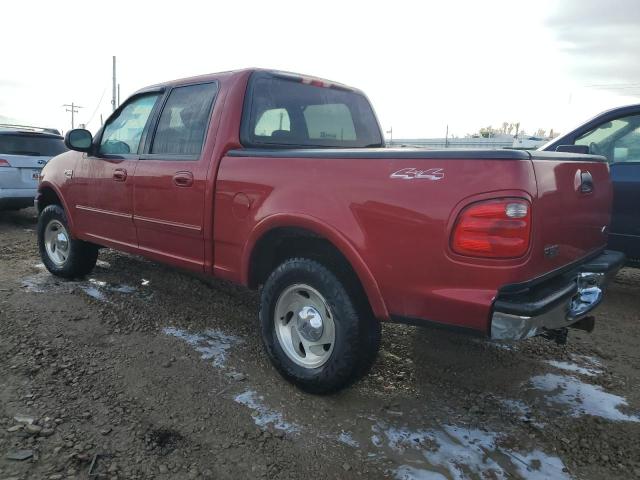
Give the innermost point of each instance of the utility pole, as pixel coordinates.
(390, 132)
(74, 109)
(118, 95)
(446, 138)
(113, 89)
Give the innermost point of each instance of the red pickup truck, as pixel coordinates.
(282, 183)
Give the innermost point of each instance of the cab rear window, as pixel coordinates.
(31, 145)
(288, 112)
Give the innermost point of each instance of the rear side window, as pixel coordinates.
(184, 120)
(273, 120)
(32, 145)
(287, 112)
(330, 121)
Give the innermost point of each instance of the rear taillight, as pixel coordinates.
(498, 228)
(4, 163)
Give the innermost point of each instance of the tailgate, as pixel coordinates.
(573, 205)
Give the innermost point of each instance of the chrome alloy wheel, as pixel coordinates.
(304, 326)
(57, 242)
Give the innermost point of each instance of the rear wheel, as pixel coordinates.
(62, 254)
(315, 332)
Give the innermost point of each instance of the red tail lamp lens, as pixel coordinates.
(498, 228)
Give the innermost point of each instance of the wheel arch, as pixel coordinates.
(259, 255)
(49, 194)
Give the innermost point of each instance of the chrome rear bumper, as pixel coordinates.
(555, 304)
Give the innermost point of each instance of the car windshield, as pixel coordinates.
(31, 145)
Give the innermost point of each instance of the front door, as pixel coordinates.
(170, 179)
(103, 180)
(619, 141)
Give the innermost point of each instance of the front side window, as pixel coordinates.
(184, 120)
(122, 134)
(618, 140)
(283, 111)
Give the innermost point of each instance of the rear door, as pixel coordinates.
(103, 182)
(170, 179)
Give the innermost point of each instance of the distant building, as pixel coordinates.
(524, 142)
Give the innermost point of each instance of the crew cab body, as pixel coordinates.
(614, 134)
(240, 175)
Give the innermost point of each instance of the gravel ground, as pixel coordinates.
(141, 371)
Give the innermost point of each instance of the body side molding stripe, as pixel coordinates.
(167, 222)
(106, 212)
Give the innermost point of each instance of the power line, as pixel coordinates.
(97, 107)
(74, 109)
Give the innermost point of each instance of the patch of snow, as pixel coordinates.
(347, 439)
(94, 292)
(582, 398)
(461, 453)
(212, 344)
(43, 282)
(263, 415)
(537, 465)
(35, 284)
(406, 472)
(123, 288)
(511, 347)
(572, 367)
(586, 359)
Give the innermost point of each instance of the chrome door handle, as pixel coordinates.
(183, 179)
(119, 174)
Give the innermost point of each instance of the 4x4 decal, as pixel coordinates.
(413, 173)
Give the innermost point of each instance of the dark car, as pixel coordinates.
(614, 134)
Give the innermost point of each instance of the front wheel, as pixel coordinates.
(62, 254)
(315, 332)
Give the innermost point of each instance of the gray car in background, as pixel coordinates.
(23, 153)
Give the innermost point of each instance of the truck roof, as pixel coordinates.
(247, 71)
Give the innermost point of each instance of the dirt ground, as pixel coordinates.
(141, 371)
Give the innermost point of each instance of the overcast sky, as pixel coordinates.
(468, 64)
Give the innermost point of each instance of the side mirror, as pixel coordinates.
(583, 149)
(78, 139)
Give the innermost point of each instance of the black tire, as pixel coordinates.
(81, 257)
(357, 332)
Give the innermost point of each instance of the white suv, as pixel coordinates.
(23, 153)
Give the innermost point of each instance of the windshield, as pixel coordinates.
(286, 112)
(31, 145)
